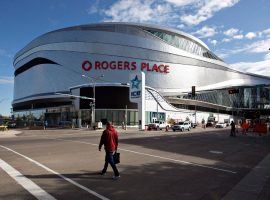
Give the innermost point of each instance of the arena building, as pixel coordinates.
(96, 60)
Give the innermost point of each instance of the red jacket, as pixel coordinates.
(109, 139)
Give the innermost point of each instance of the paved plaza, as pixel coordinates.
(200, 164)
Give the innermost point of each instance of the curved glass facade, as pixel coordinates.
(256, 97)
(184, 43)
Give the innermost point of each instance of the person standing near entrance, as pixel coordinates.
(45, 124)
(232, 129)
(203, 123)
(109, 139)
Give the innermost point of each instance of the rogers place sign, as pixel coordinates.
(125, 65)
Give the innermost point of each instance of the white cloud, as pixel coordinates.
(231, 32)
(206, 10)
(238, 37)
(205, 32)
(4, 99)
(5, 53)
(259, 46)
(6, 79)
(250, 35)
(165, 11)
(139, 11)
(93, 8)
(214, 42)
(226, 40)
(181, 2)
(181, 26)
(261, 67)
(222, 55)
(266, 31)
(235, 33)
(267, 56)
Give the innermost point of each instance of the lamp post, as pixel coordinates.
(93, 80)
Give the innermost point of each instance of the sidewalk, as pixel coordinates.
(9, 133)
(255, 185)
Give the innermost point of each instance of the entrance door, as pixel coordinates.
(53, 119)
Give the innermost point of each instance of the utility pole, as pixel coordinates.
(126, 118)
(93, 107)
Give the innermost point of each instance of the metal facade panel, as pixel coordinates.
(71, 48)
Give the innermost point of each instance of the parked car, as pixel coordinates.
(220, 125)
(181, 126)
(157, 125)
(210, 124)
(11, 124)
(98, 125)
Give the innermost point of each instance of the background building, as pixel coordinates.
(106, 54)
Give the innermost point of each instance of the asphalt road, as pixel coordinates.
(64, 164)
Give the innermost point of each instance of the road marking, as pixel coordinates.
(216, 152)
(29, 185)
(58, 174)
(160, 157)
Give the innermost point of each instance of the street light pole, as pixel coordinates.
(93, 106)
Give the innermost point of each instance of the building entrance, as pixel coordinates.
(53, 119)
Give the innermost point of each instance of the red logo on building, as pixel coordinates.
(87, 65)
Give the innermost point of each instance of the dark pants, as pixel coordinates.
(233, 132)
(109, 159)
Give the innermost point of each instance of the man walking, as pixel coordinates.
(233, 129)
(109, 139)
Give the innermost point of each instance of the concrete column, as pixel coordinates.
(79, 119)
(141, 112)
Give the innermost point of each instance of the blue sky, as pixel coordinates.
(236, 30)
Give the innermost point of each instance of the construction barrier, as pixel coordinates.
(260, 128)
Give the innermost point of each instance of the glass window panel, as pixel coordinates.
(160, 35)
(136, 117)
(131, 117)
(98, 115)
(174, 41)
(121, 116)
(199, 51)
(177, 42)
(103, 114)
(191, 47)
(188, 46)
(184, 44)
(195, 47)
(166, 38)
(115, 118)
(180, 42)
(109, 115)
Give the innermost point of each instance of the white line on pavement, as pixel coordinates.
(216, 152)
(58, 174)
(29, 185)
(160, 157)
